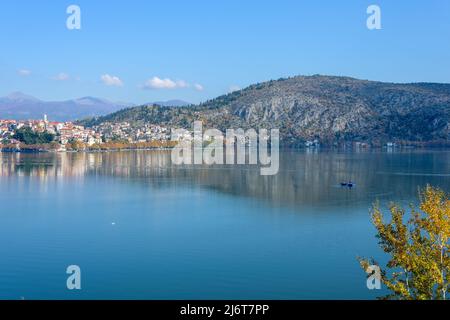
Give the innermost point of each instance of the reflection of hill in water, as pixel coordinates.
(304, 178)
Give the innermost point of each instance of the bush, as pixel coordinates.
(28, 136)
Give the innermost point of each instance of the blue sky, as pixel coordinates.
(201, 49)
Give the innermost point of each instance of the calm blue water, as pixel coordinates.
(140, 228)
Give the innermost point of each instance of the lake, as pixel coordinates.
(142, 228)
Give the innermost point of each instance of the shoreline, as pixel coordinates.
(84, 151)
(310, 149)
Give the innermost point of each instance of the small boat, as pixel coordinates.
(347, 184)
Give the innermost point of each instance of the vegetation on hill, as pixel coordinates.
(30, 137)
(334, 110)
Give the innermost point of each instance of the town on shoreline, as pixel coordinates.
(45, 135)
(52, 136)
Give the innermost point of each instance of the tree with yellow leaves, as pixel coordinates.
(419, 249)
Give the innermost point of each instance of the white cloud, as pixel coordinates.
(111, 80)
(198, 87)
(24, 72)
(158, 83)
(233, 88)
(182, 84)
(61, 77)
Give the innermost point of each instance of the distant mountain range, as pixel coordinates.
(20, 106)
(331, 109)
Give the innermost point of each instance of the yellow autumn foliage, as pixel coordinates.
(419, 264)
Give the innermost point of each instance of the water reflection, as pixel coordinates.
(310, 178)
(198, 232)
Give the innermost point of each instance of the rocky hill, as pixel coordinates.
(331, 109)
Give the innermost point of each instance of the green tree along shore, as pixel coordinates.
(419, 262)
(30, 137)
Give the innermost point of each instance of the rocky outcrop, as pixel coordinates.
(331, 109)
